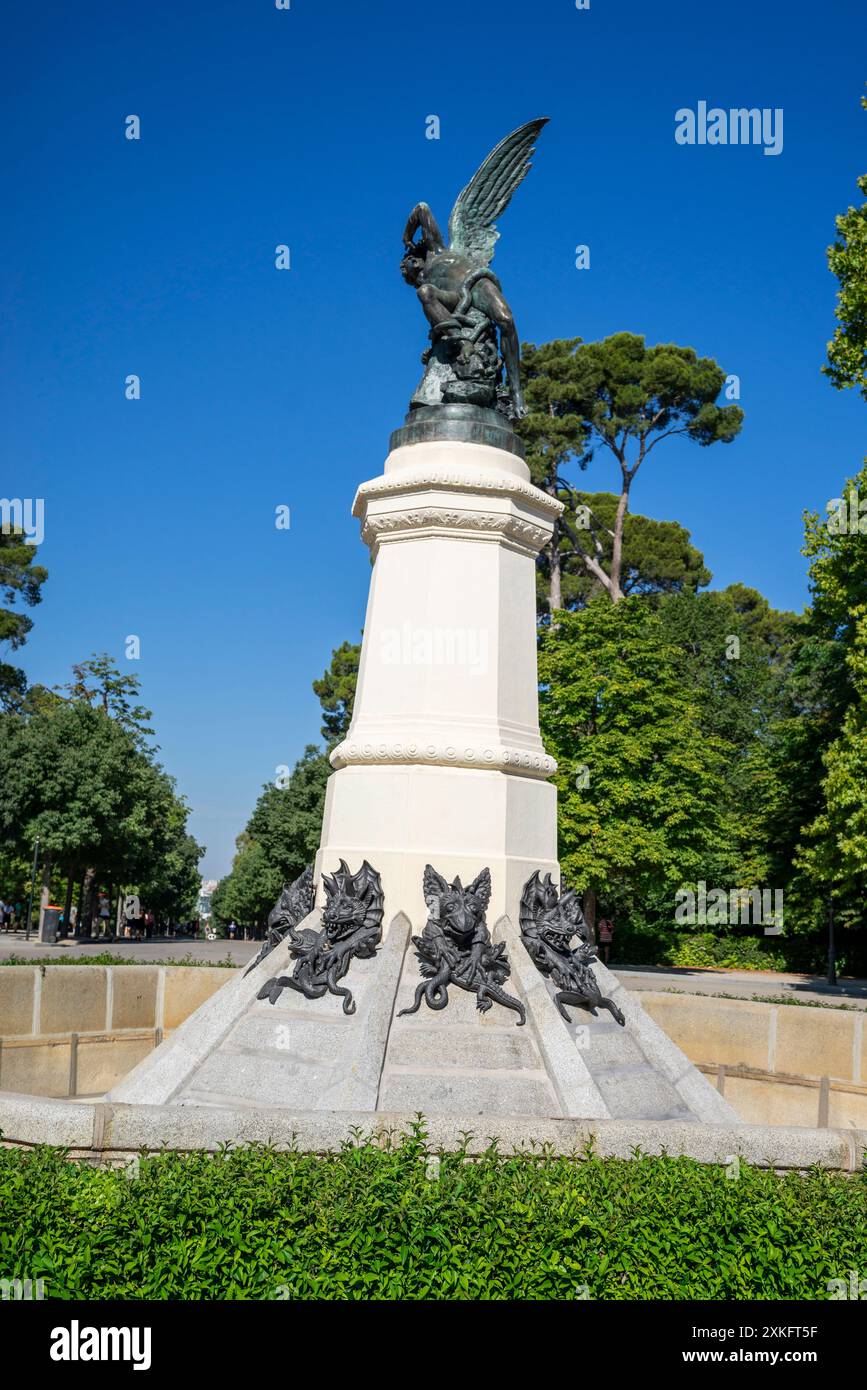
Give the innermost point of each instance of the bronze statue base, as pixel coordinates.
(466, 424)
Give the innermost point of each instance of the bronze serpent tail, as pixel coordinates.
(433, 991)
(487, 990)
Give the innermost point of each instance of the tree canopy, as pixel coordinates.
(336, 691)
(639, 779)
(624, 397)
(20, 579)
(658, 556)
(847, 259)
(76, 774)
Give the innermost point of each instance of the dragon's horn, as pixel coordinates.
(348, 880)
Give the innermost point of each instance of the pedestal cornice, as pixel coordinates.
(422, 495)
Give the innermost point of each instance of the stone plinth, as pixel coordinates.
(444, 762)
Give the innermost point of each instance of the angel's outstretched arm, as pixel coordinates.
(421, 216)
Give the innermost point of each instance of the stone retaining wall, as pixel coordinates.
(68, 1031)
(774, 1063)
(76, 1030)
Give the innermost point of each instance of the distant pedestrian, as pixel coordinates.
(104, 914)
(605, 929)
(232, 928)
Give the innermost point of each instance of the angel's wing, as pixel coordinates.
(472, 232)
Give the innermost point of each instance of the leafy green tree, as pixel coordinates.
(736, 653)
(791, 806)
(625, 397)
(736, 657)
(336, 691)
(658, 556)
(639, 780)
(98, 681)
(836, 546)
(287, 821)
(818, 766)
(71, 778)
(79, 779)
(847, 259)
(171, 881)
(20, 579)
(249, 892)
(834, 849)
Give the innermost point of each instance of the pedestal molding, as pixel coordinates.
(470, 503)
(477, 480)
(488, 757)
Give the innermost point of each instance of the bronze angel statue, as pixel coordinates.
(461, 296)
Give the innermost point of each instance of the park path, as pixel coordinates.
(740, 984)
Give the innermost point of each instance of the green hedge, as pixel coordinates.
(373, 1223)
(706, 950)
(703, 950)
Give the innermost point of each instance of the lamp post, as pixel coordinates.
(832, 958)
(32, 888)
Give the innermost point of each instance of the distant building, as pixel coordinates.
(203, 903)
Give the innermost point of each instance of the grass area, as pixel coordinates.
(109, 958)
(398, 1223)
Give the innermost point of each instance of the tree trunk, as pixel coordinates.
(80, 904)
(588, 904)
(67, 905)
(85, 916)
(45, 895)
(617, 545)
(555, 589)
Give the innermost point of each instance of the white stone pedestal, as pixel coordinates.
(443, 762)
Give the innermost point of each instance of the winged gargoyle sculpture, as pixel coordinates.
(461, 296)
(455, 947)
(293, 905)
(549, 921)
(351, 930)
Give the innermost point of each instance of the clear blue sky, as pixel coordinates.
(260, 387)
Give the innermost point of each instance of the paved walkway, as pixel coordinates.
(741, 984)
(746, 984)
(159, 950)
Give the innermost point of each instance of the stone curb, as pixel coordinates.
(109, 1131)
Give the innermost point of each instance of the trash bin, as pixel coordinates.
(48, 925)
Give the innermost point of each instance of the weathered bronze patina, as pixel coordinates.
(461, 296)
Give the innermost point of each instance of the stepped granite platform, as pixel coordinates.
(300, 1054)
